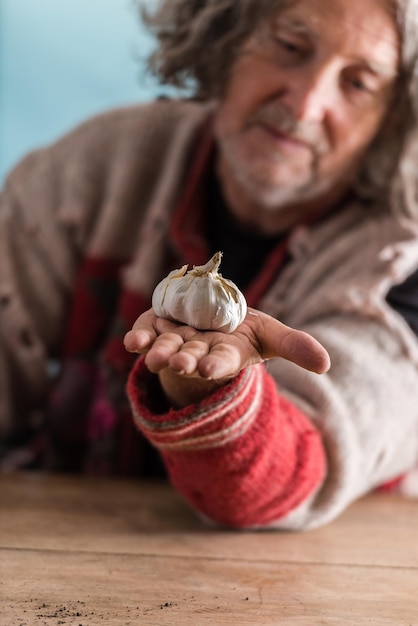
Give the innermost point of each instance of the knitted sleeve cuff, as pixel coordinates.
(223, 416)
(245, 456)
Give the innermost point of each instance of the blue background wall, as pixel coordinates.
(62, 61)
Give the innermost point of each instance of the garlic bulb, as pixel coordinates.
(201, 298)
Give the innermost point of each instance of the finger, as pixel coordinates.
(304, 350)
(163, 348)
(278, 340)
(188, 333)
(138, 340)
(187, 359)
(142, 334)
(222, 362)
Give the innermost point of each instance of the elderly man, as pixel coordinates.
(294, 159)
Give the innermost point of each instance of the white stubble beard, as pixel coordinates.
(272, 195)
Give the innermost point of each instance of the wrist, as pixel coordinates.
(181, 390)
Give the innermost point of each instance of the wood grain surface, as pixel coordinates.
(88, 552)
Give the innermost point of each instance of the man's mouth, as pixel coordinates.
(283, 139)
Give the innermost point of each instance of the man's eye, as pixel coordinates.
(358, 84)
(366, 85)
(289, 46)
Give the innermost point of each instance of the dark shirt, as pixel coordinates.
(247, 251)
(404, 299)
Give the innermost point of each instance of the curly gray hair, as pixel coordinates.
(199, 40)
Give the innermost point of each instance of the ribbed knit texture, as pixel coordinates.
(244, 456)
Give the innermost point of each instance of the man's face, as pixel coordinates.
(305, 98)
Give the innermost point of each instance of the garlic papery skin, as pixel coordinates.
(201, 298)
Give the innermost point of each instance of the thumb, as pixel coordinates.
(304, 350)
(278, 340)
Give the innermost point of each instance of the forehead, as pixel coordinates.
(366, 28)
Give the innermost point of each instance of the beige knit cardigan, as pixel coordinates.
(107, 189)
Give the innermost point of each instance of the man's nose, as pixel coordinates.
(314, 94)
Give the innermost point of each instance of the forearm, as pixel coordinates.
(243, 457)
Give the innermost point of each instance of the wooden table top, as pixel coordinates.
(84, 552)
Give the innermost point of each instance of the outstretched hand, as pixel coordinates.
(216, 355)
